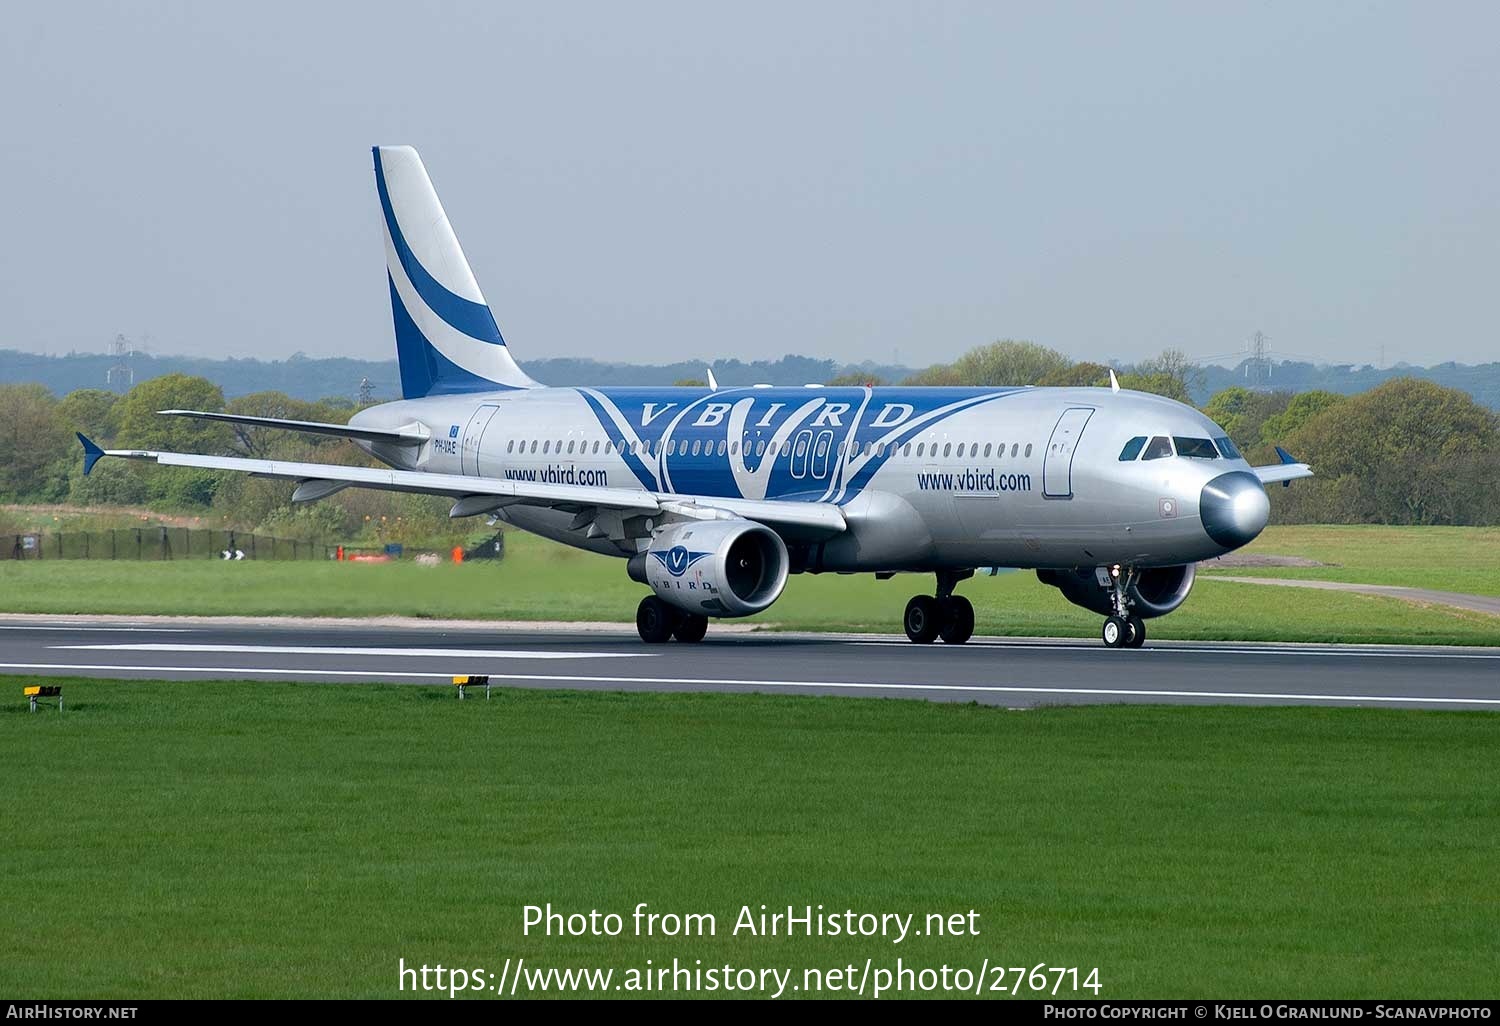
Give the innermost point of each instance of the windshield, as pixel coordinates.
(1227, 448)
(1132, 448)
(1196, 448)
(1160, 448)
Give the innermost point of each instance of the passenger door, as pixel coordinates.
(469, 450)
(1057, 462)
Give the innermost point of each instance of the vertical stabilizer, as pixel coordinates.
(447, 341)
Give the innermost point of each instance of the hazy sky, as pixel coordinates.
(651, 181)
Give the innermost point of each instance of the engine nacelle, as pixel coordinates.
(1156, 591)
(714, 567)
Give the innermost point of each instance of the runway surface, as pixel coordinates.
(1010, 672)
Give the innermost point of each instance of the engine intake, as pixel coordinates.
(715, 567)
(1156, 591)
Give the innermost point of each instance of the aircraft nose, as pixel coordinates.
(1234, 508)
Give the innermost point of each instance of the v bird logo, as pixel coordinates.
(677, 559)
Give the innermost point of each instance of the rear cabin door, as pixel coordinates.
(469, 452)
(1057, 464)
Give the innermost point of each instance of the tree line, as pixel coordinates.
(1408, 451)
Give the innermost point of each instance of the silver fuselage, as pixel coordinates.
(927, 478)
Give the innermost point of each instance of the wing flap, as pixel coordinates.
(317, 479)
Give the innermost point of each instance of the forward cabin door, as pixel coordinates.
(469, 451)
(1057, 464)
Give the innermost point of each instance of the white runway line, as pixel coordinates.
(1273, 696)
(405, 653)
(1362, 653)
(94, 627)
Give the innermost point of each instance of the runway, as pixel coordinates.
(1009, 672)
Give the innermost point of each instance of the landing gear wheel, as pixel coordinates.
(958, 620)
(654, 619)
(922, 619)
(1137, 632)
(691, 628)
(1116, 633)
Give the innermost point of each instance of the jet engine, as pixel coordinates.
(715, 567)
(1155, 591)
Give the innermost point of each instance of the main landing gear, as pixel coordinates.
(658, 622)
(1123, 629)
(944, 615)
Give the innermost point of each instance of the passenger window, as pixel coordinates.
(546, 446)
(1013, 447)
(533, 445)
(1028, 448)
(1227, 448)
(947, 449)
(906, 449)
(510, 446)
(1196, 448)
(1159, 448)
(920, 447)
(1132, 448)
(987, 448)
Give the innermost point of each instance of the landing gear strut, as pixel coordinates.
(1124, 629)
(945, 615)
(657, 622)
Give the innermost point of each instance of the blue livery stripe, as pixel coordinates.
(424, 370)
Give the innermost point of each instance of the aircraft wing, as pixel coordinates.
(412, 434)
(1287, 471)
(476, 495)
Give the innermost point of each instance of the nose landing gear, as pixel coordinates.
(1124, 629)
(945, 615)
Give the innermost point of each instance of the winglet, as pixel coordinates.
(1285, 456)
(713, 385)
(1114, 382)
(91, 453)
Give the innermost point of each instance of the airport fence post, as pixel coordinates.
(137, 544)
(85, 545)
(111, 543)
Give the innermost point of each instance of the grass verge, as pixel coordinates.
(285, 840)
(539, 580)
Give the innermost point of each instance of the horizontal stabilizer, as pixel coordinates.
(412, 434)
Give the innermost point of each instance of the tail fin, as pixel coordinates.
(446, 338)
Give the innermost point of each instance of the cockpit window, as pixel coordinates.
(1132, 448)
(1196, 448)
(1159, 448)
(1227, 448)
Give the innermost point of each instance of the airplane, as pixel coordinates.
(713, 496)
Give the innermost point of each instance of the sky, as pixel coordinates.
(859, 181)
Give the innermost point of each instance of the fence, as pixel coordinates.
(159, 543)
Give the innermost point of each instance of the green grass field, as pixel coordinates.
(1463, 559)
(539, 580)
(269, 840)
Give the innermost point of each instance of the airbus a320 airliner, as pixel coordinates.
(714, 496)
